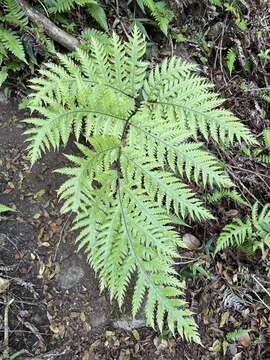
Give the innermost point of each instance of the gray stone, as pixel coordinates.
(129, 323)
(100, 315)
(3, 98)
(71, 274)
(215, 31)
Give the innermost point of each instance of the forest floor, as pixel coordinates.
(56, 310)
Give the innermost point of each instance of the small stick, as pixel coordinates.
(6, 327)
(61, 237)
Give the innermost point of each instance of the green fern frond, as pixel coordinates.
(13, 13)
(60, 6)
(160, 11)
(96, 11)
(264, 93)
(3, 75)
(235, 335)
(264, 158)
(187, 102)
(230, 60)
(137, 169)
(234, 235)
(89, 33)
(231, 194)
(266, 138)
(88, 168)
(10, 41)
(254, 232)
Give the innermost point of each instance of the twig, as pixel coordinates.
(261, 300)
(34, 330)
(57, 34)
(61, 237)
(6, 327)
(187, 261)
(51, 355)
(261, 285)
(241, 184)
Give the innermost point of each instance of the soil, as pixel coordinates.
(56, 310)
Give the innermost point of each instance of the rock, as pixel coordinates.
(3, 98)
(129, 323)
(232, 213)
(100, 315)
(191, 242)
(233, 349)
(215, 31)
(71, 273)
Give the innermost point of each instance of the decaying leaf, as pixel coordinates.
(4, 285)
(245, 340)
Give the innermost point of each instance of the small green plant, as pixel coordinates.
(264, 94)
(17, 33)
(130, 180)
(4, 208)
(216, 3)
(260, 153)
(198, 268)
(233, 337)
(264, 54)
(160, 11)
(250, 234)
(233, 195)
(10, 41)
(92, 8)
(231, 59)
(267, 268)
(233, 8)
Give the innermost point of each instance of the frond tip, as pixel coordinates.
(139, 166)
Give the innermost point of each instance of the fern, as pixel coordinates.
(14, 15)
(231, 194)
(253, 233)
(130, 179)
(264, 158)
(97, 12)
(266, 138)
(92, 7)
(162, 14)
(88, 34)
(3, 75)
(264, 93)
(230, 60)
(60, 6)
(216, 3)
(10, 41)
(235, 335)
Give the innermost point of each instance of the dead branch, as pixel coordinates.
(8, 302)
(53, 31)
(51, 355)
